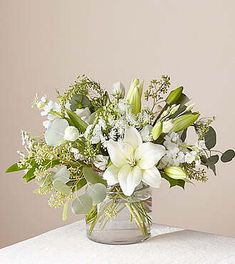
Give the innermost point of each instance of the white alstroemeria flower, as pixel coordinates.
(133, 161)
(71, 133)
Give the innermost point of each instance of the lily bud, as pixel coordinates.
(157, 130)
(175, 173)
(134, 95)
(118, 90)
(182, 122)
(71, 133)
(174, 96)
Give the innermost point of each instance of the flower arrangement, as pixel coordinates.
(98, 145)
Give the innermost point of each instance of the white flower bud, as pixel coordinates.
(71, 133)
(118, 90)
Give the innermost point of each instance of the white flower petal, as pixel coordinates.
(111, 175)
(54, 135)
(118, 152)
(71, 133)
(152, 177)
(132, 137)
(129, 178)
(148, 154)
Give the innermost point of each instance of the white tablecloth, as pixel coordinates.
(167, 246)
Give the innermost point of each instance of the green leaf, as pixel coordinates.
(62, 175)
(183, 135)
(97, 192)
(61, 187)
(174, 96)
(14, 167)
(228, 155)
(210, 138)
(211, 166)
(173, 182)
(214, 159)
(92, 177)
(30, 174)
(65, 211)
(76, 121)
(82, 204)
(79, 101)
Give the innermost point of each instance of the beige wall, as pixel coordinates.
(45, 44)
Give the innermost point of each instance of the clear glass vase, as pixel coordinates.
(121, 219)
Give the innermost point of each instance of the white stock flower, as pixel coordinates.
(71, 133)
(167, 126)
(101, 161)
(190, 157)
(133, 161)
(146, 133)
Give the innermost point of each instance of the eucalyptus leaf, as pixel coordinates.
(210, 138)
(61, 187)
(79, 101)
(82, 204)
(228, 155)
(211, 165)
(214, 159)
(92, 177)
(97, 192)
(62, 175)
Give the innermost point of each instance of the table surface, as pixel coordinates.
(168, 245)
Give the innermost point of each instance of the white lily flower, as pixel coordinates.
(71, 133)
(133, 161)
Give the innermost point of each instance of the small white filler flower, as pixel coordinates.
(133, 161)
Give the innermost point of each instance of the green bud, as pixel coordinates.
(175, 173)
(157, 130)
(174, 96)
(182, 122)
(134, 95)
